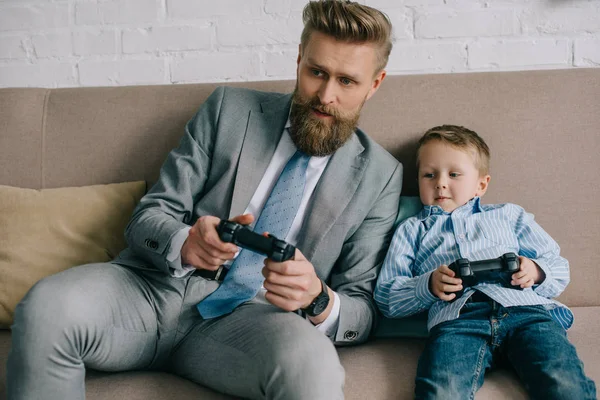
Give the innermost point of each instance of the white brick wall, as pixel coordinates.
(66, 43)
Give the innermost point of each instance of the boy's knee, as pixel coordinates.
(443, 388)
(565, 383)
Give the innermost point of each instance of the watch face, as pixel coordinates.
(320, 305)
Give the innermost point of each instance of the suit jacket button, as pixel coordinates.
(153, 244)
(350, 335)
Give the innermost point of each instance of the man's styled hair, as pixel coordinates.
(349, 21)
(461, 138)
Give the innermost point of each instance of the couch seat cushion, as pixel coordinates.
(382, 369)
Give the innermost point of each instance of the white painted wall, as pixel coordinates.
(67, 43)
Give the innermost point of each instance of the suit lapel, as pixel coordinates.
(263, 133)
(334, 191)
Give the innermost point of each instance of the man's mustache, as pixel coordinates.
(315, 103)
(326, 110)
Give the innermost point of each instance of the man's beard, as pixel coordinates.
(317, 137)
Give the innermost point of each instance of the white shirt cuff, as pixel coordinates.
(174, 254)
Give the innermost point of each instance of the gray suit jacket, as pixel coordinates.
(216, 169)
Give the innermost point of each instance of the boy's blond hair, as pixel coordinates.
(350, 22)
(461, 138)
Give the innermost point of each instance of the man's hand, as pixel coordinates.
(294, 284)
(204, 249)
(443, 284)
(529, 274)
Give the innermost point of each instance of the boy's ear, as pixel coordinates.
(484, 182)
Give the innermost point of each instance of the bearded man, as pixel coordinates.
(177, 299)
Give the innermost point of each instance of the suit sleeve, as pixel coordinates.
(168, 206)
(359, 263)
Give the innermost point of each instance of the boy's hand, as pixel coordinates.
(442, 283)
(529, 274)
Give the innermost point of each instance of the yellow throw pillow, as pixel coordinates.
(46, 231)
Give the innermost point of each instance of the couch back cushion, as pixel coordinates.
(43, 232)
(541, 126)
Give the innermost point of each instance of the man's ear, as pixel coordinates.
(482, 186)
(298, 60)
(376, 83)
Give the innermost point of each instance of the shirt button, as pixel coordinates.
(461, 236)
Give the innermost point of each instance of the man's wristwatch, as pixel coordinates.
(319, 304)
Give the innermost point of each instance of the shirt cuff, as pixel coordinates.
(174, 254)
(548, 288)
(330, 325)
(422, 292)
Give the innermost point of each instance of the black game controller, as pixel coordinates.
(496, 270)
(275, 249)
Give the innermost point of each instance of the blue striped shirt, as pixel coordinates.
(473, 231)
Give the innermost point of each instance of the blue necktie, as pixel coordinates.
(244, 278)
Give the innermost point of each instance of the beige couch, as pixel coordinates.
(542, 127)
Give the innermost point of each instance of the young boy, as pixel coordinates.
(490, 322)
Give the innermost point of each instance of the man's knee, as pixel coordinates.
(61, 300)
(310, 354)
(46, 302)
(307, 366)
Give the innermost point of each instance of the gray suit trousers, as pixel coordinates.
(113, 318)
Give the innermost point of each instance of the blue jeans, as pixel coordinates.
(459, 352)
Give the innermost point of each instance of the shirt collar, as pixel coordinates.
(471, 207)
